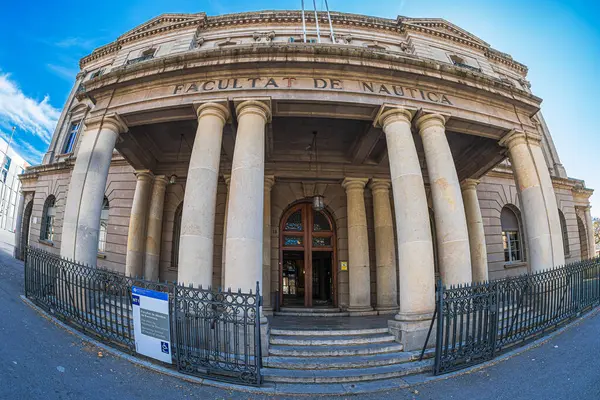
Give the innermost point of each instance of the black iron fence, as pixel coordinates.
(476, 322)
(214, 334)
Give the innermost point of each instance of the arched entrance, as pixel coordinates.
(26, 223)
(307, 254)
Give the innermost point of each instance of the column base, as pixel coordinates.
(411, 330)
(385, 310)
(357, 311)
(265, 331)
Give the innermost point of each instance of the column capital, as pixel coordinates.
(516, 137)
(143, 174)
(377, 184)
(258, 106)
(428, 120)
(354, 183)
(161, 180)
(391, 113)
(269, 182)
(111, 121)
(469, 183)
(217, 108)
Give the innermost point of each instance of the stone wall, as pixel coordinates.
(120, 187)
(496, 190)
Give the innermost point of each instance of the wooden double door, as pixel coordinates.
(307, 268)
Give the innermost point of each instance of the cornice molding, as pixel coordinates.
(353, 55)
(399, 25)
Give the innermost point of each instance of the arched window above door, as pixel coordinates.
(296, 236)
(294, 222)
(321, 222)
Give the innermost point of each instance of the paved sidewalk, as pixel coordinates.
(40, 360)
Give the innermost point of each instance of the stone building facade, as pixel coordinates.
(346, 170)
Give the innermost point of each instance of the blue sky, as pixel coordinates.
(41, 43)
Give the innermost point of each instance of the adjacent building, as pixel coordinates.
(344, 168)
(12, 165)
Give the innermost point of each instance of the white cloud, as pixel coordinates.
(26, 113)
(32, 155)
(66, 73)
(75, 42)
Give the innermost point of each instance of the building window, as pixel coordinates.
(70, 142)
(146, 55)
(96, 74)
(565, 234)
(176, 235)
(48, 215)
(103, 226)
(457, 59)
(461, 62)
(5, 168)
(511, 235)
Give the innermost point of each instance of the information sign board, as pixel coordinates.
(151, 323)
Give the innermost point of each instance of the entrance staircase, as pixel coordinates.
(338, 356)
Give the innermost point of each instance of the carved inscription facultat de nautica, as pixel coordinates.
(283, 83)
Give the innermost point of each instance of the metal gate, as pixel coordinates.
(477, 321)
(217, 334)
(214, 334)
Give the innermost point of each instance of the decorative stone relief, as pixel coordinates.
(375, 45)
(346, 39)
(198, 41)
(407, 47)
(525, 83)
(263, 37)
(228, 42)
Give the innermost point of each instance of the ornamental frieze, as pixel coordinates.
(321, 84)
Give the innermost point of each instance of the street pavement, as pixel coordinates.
(40, 360)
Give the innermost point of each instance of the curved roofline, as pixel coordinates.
(431, 26)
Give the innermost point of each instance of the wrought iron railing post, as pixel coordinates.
(439, 293)
(257, 336)
(26, 274)
(494, 317)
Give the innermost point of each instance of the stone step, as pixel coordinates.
(346, 375)
(321, 310)
(335, 340)
(111, 309)
(118, 302)
(324, 332)
(345, 362)
(334, 350)
(311, 314)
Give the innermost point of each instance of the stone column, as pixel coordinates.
(590, 231)
(136, 236)
(558, 250)
(200, 199)
(449, 211)
(244, 246)
(227, 179)
(154, 228)
(269, 182)
(479, 262)
(358, 246)
(535, 212)
(81, 223)
(385, 250)
(415, 250)
(19, 250)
